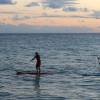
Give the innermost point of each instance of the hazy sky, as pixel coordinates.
(50, 16)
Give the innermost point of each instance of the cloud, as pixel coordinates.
(95, 14)
(7, 28)
(20, 17)
(7, 1)
(8, 12)
(46, 15)
(52, 4)
(75, 9)
(70, 9)
(57, 3)
(32, 4)
(84, 9)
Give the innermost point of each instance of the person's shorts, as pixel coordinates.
(38, 65)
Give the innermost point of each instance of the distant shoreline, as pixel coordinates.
(48, 33)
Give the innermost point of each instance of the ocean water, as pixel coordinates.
(70, 58)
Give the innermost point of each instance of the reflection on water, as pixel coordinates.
(37, 86)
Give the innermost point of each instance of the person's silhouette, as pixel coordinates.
(38, 62)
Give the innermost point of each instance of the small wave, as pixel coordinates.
(89, 74)
(5, 69)
(5, 94)
(1, 87)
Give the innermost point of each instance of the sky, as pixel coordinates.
(49, 16)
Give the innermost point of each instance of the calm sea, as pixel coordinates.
(71, 58)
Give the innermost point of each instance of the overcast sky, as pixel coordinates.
(52, 16)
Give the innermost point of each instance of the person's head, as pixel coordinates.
(36, 53)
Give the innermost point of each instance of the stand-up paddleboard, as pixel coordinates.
(32, 73)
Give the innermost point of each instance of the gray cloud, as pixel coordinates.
(54, 4)
(58, 3)
(20, 17)
(32, 4)
(96, 14)
(7, 1)
(75, 9)
(84, 9)
(70, 9)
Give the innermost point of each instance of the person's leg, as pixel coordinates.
(37, 68)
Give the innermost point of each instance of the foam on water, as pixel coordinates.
(73, 59)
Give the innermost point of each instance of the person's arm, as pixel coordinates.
(33, 58)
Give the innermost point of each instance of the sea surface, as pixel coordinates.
(71, 60)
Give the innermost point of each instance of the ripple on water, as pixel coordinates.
(3, 94)
(40, 98)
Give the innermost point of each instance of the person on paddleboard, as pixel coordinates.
(38, 62)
